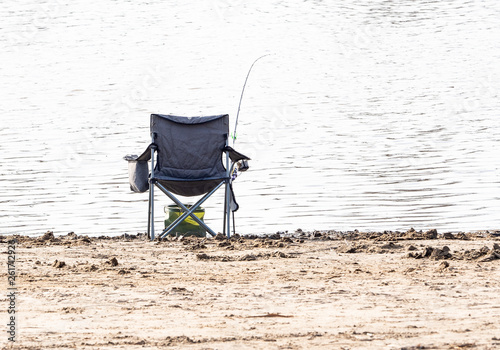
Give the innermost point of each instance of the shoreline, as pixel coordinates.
(302, 290)
(299, 233)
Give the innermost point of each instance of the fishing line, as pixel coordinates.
(241, 97)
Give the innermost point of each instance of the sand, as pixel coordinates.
(314, 290)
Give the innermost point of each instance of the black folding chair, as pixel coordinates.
(189, 162)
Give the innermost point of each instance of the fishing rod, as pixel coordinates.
(241, 97)
(244, 165)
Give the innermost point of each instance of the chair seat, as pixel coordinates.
(177, 179)
(183, 174)
(189, 187)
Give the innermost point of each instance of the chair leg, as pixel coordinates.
(227, 211)
(152, 211)
(149, 215)
(234, 224)
(225, 231)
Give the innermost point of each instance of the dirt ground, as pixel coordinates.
(306, 290)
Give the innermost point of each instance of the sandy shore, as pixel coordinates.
(411, 290)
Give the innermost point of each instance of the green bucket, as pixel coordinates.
(188, 227)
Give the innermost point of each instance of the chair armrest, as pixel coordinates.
(144, 157)
(234, 155)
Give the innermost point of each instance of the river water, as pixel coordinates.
(366, 115)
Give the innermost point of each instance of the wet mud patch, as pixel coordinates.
(279, 240)
(246, 257)
(69, 310)
(356, 235)
(178, 340)
(177, 291)
(410, 234)
(70, 239)
(113, 262)
(222, 258)
(58, 264)
(370, 247)
(270, 314)
(483, 254)
(91, 268)
(183, 341)
(236, 243)
(432, 253)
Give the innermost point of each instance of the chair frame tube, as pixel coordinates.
(188, 212)
(151, 213)
(227, 205)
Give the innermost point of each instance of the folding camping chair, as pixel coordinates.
(189, 153)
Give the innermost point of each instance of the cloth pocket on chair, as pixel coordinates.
(138, 175)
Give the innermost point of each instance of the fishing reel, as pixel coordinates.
(243, 165)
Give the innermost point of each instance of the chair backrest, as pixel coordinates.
(190, 147)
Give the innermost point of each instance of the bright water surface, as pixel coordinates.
(368, 114)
